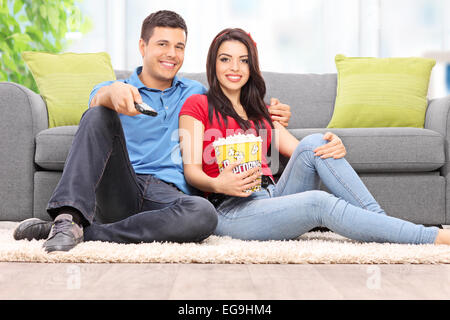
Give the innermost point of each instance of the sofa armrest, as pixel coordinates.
(437, 118)
(23, 114)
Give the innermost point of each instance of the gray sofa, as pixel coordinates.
(406, 169)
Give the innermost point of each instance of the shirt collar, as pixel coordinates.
(135, 81)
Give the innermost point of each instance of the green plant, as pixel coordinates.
(35, 25)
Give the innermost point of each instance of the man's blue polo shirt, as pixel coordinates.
(153, 142)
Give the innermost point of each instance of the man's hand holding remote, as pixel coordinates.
(118, 96)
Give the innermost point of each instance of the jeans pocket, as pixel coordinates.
(160, 192)
(229, 207)
(225, 207)
(271, 191)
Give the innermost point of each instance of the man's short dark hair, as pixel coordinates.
(162, 18)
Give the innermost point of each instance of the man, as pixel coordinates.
(123, 179)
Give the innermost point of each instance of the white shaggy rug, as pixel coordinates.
(312, 248)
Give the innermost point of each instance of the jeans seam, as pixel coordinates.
(144, 192)
(105, 163)
(156, 181)
(296, 157)
(346, 187)
(130, 166)
(232, 217)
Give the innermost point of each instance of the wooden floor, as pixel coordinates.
(227, 282)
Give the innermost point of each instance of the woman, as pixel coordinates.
(294, 205)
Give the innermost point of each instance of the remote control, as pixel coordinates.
(145, 109)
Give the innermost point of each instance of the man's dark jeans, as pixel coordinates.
(118, 205)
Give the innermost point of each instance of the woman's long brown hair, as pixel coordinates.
(252, 93)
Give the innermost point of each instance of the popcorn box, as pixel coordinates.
(246, 148)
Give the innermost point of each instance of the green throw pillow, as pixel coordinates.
(381, 92)
(66, 80)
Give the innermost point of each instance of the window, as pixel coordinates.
(300, 36)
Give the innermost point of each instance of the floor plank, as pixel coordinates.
(299, 282)
(389, 281)
(213, 281)
(222, 281)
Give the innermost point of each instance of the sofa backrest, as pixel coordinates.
(311, 96)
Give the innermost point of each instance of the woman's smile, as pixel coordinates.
(233, 77)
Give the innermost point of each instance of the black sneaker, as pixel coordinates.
(64, 235)
(33, 228)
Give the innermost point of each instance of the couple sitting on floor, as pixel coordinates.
(124, 182)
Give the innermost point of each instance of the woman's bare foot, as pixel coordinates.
(443, 237)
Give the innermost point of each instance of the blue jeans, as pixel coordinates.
(294, 205)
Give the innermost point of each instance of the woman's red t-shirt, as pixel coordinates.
(197, 106)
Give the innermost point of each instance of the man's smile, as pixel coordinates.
(168, 65)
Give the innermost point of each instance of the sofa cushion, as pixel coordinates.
(52, 147)
(65, 81)
(368, 149)
(381, 92)
(388, 149)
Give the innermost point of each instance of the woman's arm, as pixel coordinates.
(283, 140)
(191, 144)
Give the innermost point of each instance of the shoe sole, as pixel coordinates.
(21, 234)
(61, 248)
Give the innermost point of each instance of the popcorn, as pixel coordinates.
(240, 147)
(237, 138)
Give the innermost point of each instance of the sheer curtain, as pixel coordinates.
(300, 36)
